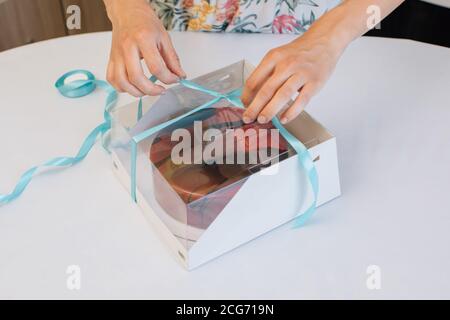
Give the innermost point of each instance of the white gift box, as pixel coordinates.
(265, 199)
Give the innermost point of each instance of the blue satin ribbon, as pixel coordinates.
(80, 88)
(73, 89)
(139, 112)
(307, 163)
(234, 98)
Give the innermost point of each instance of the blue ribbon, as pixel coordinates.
(234, 98)
(139, 112)
(80, 88)
(74, 89)
(307, 163)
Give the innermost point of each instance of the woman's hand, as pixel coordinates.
(306, 64)
(138, 34)
(302, 66)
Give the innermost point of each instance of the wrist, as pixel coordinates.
(332, 30)
(323, 39)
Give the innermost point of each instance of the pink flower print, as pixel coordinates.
(188, 3)
(228, 11)
(284, 23)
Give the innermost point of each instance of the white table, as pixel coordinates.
(388, 103)
(442, 3)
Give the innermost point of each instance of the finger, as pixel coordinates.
(171, 58)
(305, 95)
(263, 96)
(256, 80)
(120, 80)
(136, 74)
(156, 64)
(110, 73)
(281, 97)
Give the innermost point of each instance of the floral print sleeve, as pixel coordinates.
(263, 16)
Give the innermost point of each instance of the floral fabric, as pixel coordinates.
(264, 16)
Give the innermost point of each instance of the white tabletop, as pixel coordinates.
(388, 103)
(443, 3)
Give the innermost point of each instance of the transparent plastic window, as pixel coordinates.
(188, 195)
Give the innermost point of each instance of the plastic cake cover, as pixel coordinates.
(189, 171)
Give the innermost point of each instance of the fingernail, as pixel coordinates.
(262, 119)
(246, 119)
(284, 120)
(163, 92)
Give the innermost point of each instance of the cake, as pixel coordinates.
(196, 193)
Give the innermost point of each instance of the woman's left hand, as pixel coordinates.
(302, 66)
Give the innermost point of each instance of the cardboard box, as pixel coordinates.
(263, 200)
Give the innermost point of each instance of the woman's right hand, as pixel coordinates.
(138, 34)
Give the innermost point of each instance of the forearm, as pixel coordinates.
(112, 3)
(117, 9)
(350, 20)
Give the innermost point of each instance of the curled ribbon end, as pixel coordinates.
(72, 89)
(76, 88)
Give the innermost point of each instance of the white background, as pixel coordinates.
(387, 103)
